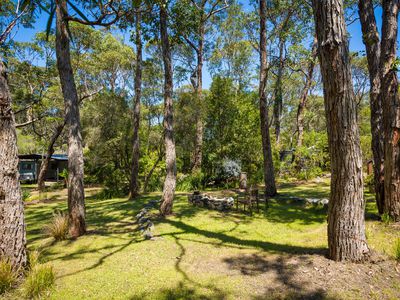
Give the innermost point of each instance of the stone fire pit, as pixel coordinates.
(204, 200)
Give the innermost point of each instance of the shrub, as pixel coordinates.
(39, 280)
(25, 194)
(397, 250)
(8, 276)
(190, 182)
(58, 227)
(385, 219)
(227, 170)
(116, 184)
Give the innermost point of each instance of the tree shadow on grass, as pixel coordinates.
(181, 291)
(284, 269)
(231, 240)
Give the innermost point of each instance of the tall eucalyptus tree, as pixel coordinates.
(76, 195)
(346, 235)
(372, 44)
(134, 183)
(391, 108)
(269, 176)
(12, 223)
(170, 154)
(192, 19)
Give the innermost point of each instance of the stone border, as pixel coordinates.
(204, 200)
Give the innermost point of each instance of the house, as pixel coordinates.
(29, 166)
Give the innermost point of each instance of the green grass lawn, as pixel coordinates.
(204, 254)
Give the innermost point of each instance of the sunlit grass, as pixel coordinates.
(187, 260)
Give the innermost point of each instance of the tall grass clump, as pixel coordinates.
(39, 280)
(58, 227)
(385, 218)
(8, 276)
(397, 250)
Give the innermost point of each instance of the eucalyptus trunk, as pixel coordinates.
(12, 224)
(134, 184)
(346, 224)
(46, 162)
(269, 176)
(304, 94)
(278, 97)
(76, 195)
(170, 155)
(391, 108)
(372, 46)
(198, 90)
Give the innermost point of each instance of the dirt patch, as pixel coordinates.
(269, 276)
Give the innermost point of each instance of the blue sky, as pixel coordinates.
(356, 44)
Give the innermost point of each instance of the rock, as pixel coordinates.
(143, 220)
(211, 202)
(154, 202)
(324, 201)
(147, 226)
(140, 215)
(148, 235)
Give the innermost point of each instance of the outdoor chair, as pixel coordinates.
(248, 199)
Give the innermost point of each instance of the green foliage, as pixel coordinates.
(8, 276)
(385, 218)
(312, 158)
(116, 184)
(369, 182)
(39, 280)
(397, 249)
(186, 183)
(25, 194)
(58, 226)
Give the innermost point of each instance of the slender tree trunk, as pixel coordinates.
(372, 45)
(269, 176)
(170, 155)
(146, 180)
(134, 186)
(46, 162)
(198, 89)
(278, 98)
(346, 225)
(391, 108)
(304, 94)
(12, 224)
(76, 195)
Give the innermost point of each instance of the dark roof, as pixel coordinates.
(60, 157)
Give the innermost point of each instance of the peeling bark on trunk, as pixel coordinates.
(12, 224)
(76, 196)
(304, 94)
(134, 184)
(46, 162)
(391, 108)
(372, 45)
(170, 155)
(269, 176)
(346, 224)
